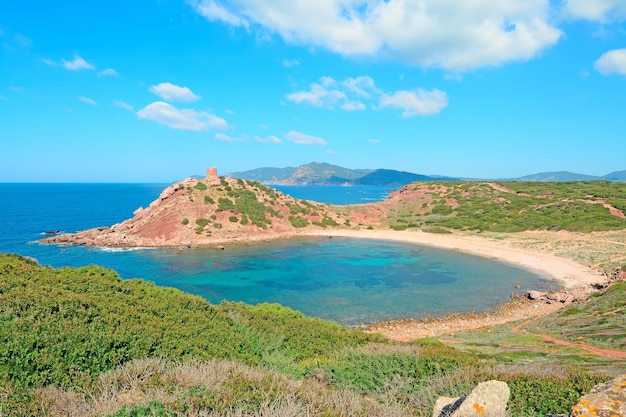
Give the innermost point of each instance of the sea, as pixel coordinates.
(346, 280)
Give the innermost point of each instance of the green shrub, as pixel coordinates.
(442, 209)
(202, 222)
(233, 219)
(200, 186)
(185, 221)
(297, 221)
(208, 200)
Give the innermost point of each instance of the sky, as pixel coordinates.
(159, 90)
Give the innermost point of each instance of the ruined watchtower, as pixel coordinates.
(211, 176)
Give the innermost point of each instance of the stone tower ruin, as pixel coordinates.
(211, 176)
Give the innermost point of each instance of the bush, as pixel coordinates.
(208, 200)
(233, 219)
(298, 222)
(200, 186)
(185, 221)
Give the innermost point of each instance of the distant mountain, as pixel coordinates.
(319, 173)
(267, 175)
(558, 176)
(389, 177)
(619, 176)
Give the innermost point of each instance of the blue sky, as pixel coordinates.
(156, 91)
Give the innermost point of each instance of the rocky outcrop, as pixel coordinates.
(212, 211)
(604, 400)
(488, 399)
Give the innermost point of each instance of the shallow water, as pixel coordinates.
(350, 281)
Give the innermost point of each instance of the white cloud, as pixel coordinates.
(612, 62)
(354, 94)
(269, 139)
(124, 105)
(16, 89)
(87, 100)
(317, 96)
(77, 64)
(3, 97)
(353, 105)
(375, 141)
(605, 11)
(175, 93)
(109, 72)
(453, 35)
(183, 119)
(290, 63)
(416, 103)
(213, 12)
(226, 138)
(229, 111)
(361, 86)
(303, 139)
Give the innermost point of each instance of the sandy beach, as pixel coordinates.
(574, 277)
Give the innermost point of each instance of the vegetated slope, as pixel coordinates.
(599, 321)
(76, 341)
(202, 212)
(66, 326)
(509, 206)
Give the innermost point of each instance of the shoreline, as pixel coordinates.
(577, 281)
(569, 273)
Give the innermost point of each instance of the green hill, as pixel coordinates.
(510, 206)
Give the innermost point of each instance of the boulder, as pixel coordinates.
(535, 295)
(488, 399)
(608, 399)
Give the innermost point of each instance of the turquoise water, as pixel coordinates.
(350, 281)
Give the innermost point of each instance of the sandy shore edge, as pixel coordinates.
(570, 274)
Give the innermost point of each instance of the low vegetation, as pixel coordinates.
(512, 206)
(82, 341)
(600, 322)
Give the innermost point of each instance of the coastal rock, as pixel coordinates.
(535, 295)
(608, 399)
(488, 399)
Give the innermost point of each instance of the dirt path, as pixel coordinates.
(605, 353)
